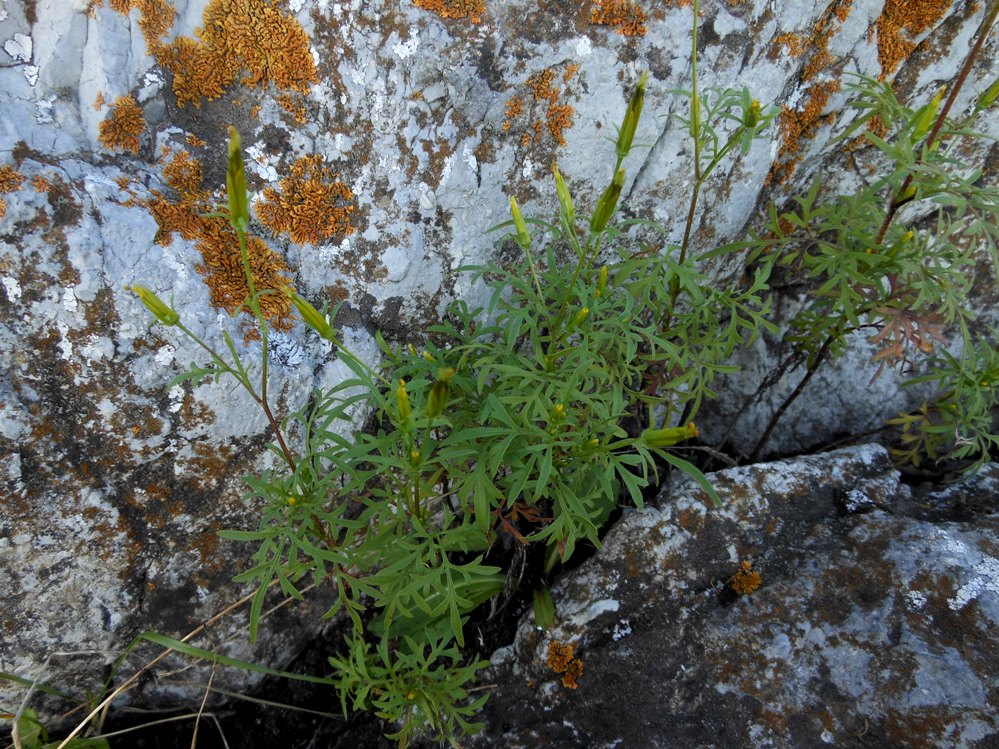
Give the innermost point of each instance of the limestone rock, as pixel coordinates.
(115, 485)
(821, 605)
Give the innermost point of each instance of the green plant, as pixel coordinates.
(522, 423)
(897, 259)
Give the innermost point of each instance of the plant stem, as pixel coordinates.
(779, 413)
(262, 321)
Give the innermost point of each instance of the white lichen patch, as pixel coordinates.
(621, 630)
(986, 580)
(12, 287)
(19, 47)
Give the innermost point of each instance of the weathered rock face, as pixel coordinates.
(822, 605)
(382, 139)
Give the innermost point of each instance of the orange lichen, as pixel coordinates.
(40, 184)
(311, 205)
(798, 125)
(457, 9)
(559, 117)
(561, 659)
(794, 44)
(818, 42)
(189, 215)
(514, 107)
(572, 672)
(122, 128)
(912, 17)
(99, 101)
(10, 179)
(625, 16)
(237, 35)
(559, 656)
(155, 18)
(746, 580)
(294, 108)
(193, 141)
(185, 174)
(570, 70)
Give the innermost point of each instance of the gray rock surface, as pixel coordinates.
(874, 623)
(114, 486)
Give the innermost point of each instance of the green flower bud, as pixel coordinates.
(989, 96)
(310, 315)
(523, 238)
(926, 116)
(235, 183)
(160, 309)
(607, 203)
(439, 393)
(564, 199)
(626, 135)
(579, 317)
(669, 436)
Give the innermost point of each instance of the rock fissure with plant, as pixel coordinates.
(578, 382)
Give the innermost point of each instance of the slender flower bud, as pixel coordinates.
(310, 315)
(415, 458)
(557, 415)
(579, 317)
(607, 203)
(926, 116)
(160, 309)
(626, 135)
(601, 282)
(439, 392)
(564, 199)
(523, 238)
(235, 183)
(669, 436)
(402, 402)
(988, 97)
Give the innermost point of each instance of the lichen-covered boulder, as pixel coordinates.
(382, 139)
(822, 605)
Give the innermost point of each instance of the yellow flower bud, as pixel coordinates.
(601, 282)
(160, 309)
(402, 402)
(235, 182)
(751, 117)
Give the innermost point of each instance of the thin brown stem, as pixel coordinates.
(779, 413)
(900, 198)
